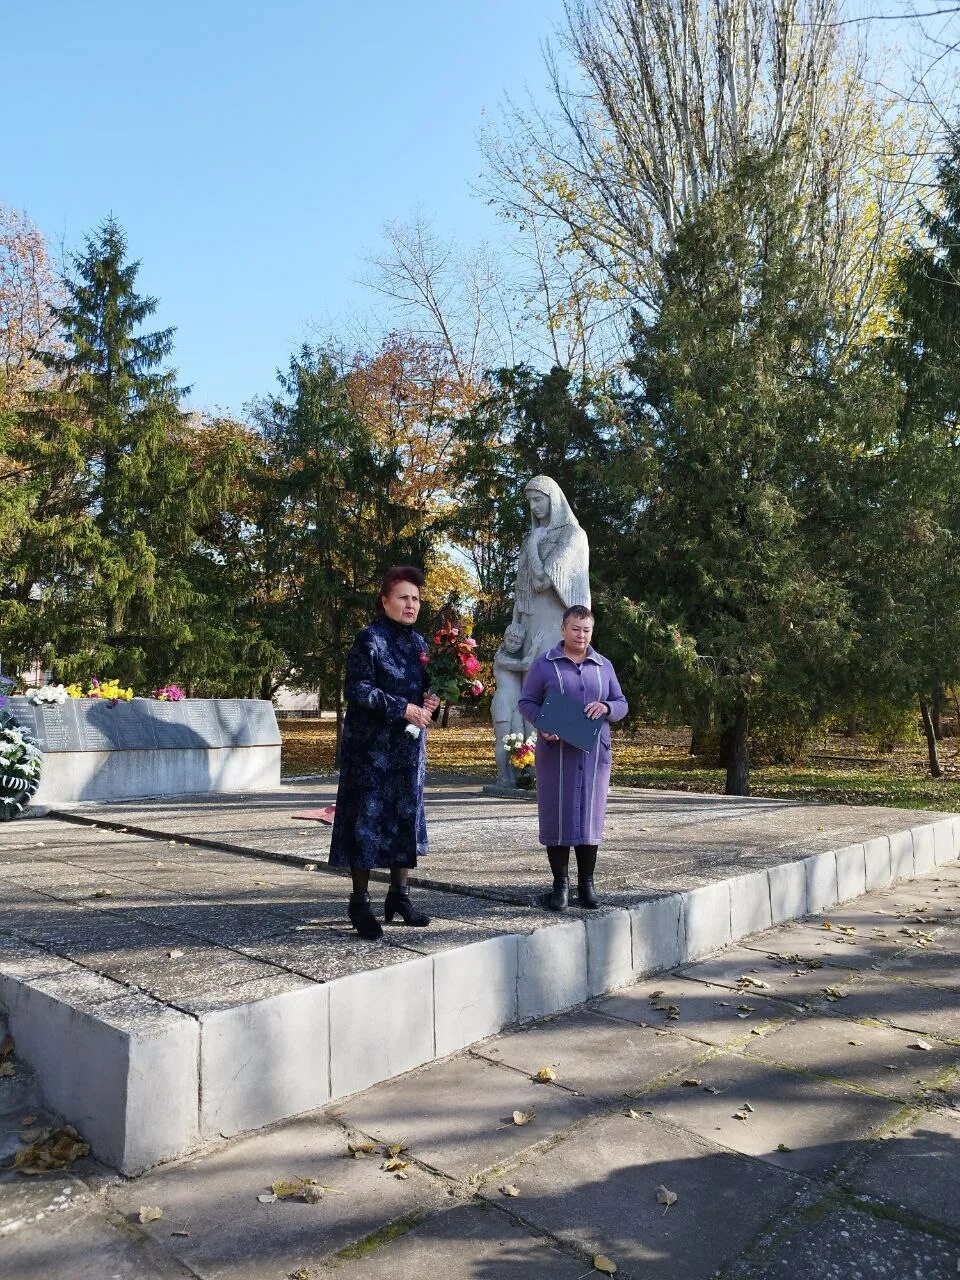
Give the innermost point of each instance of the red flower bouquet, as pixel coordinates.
(451, 662)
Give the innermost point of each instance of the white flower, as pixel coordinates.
(47, 693)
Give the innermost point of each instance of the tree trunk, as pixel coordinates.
(928, 729)
(937, 703)
(736, 754)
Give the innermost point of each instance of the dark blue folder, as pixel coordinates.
(565, 717)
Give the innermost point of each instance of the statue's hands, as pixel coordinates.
(541, 582)
(596, 710)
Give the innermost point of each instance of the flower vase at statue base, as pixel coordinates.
(526, 778)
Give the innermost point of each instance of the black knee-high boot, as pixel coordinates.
(586, 865)
(557, 898)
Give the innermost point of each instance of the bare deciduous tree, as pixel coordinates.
(672, 95)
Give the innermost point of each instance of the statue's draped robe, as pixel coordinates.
(560, 549)
(379, 819)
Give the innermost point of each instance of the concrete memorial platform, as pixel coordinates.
(178, 972)
(95, 749)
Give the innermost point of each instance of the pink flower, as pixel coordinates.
(476, 688)
(424, 658)
(470, 666)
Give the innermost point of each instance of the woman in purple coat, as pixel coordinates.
(572, 784)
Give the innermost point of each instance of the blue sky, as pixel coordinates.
(253, 151)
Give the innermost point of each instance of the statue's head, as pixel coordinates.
(514, 637)
(548, 505)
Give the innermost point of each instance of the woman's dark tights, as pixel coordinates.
(559, 856)
(361, 878)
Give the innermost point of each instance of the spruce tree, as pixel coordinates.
(737, 607)
(117, 404)
(331, 520)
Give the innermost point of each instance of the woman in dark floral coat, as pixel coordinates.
(379, 820)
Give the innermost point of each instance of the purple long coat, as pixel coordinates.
(572, 784)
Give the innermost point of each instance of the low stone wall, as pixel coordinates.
(96, 750)
(144, 1082)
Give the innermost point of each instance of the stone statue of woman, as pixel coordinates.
(554, 568)
(553, 573)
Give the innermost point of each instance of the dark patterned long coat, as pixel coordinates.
(572, 785)
(379, 820)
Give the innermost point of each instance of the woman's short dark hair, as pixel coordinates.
(399, 573)
(577, 611)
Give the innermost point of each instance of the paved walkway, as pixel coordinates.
(798, 1094)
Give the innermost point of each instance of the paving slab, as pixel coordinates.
(884, 1060)
(913, 1006)
(847, 1244)
(754, 973)
(468, 1242)
(456, 1116)
(78, 1242)
(833, 945)
(235, 1237)
(492, 844)
(712, 1014)
(937, 964)
(917, 1168)
(593, 1055)
(598, 1192)
(796, 1121)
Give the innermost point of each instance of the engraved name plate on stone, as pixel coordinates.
(170, 727)
(262, 722)
(200, 717)
(231, 712)
(26, 714)
(58, 726)
(121, 726)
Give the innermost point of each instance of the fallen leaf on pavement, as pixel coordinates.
(284, 1188)
(396, 1148)
(180, 1233)
(7, 1069)
(360, 1149)
(149, 1213)
(920, 1044)
(666, 1198)
(56, 1149)
(524, 1117)
(267, 1198)
(740, 1115)
(604, 1264)
(510, 1190)
(634, 1115)
(175, 954)
(545, 1074)
(393, 1164)
(856, 1043)
(782, 1146)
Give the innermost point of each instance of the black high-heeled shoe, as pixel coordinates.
(362, 917)
(398, 903)
(587, 893)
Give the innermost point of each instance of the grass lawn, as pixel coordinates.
(848, 771)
